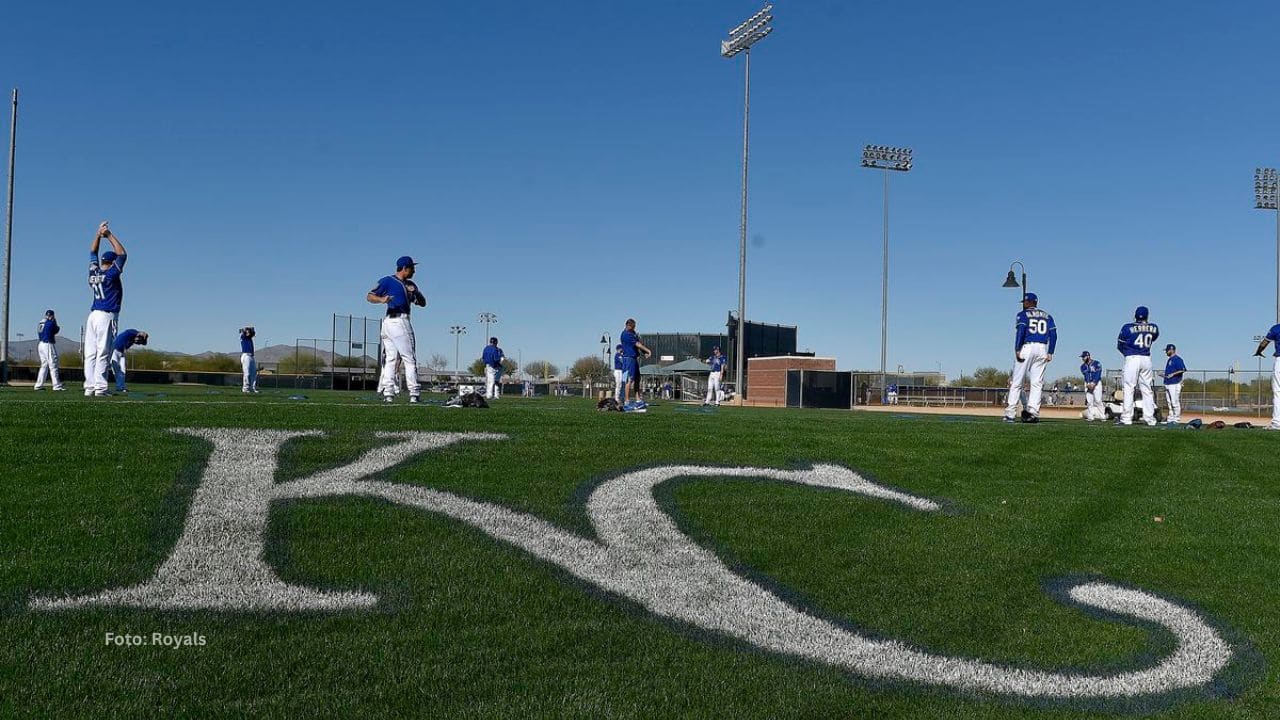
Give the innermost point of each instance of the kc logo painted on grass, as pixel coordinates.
(638, 553)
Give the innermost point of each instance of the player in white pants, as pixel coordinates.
(717, 363)
(1036, 337)
(399, 294)
(1134, 342)
(1273, 335)
(1092, 371)
(1174, 369)
(47, 330)
(492, 357)
(108, 295)
(617, 373)
(249, 365)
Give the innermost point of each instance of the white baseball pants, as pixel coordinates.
(617, 385)
(1275, 395)
(99, 335)
(250, 367)
(1031, 368)
(713, 388)
(1094, 407)
(48, 365)
(118, 368)
(1137, 372)
(1174, 392)
(400, 347)
(492, 376)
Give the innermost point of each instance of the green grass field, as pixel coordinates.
(95, 494)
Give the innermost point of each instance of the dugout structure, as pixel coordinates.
(771, 377)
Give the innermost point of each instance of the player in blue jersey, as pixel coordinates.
(492, 357)
(1035, 338)
(1134, 342)
(1174, 369)
(1273, 335)
(399, 294)
(248, 365)
(1092, 371)
(108, 295)
(48, 331)
(631, 348)
(119, 347)
(717, 363)
(617, 373)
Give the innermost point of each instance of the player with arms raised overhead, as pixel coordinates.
(1035, 339)
(398, 293)
(1134, 343)
(108, 296)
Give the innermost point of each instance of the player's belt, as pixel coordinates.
(397, 313)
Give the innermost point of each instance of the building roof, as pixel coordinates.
(690, 365)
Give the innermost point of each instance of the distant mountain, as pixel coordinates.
(25, 352)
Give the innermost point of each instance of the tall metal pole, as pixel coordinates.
(1277, 247)
(8, 246)
(884, 284)
(742, 236)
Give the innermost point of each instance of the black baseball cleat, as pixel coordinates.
(1031, 418)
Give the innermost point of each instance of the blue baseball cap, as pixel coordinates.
(404, 262)
(1142, 313)
(1085, 354)
(1169, 347)
(1030, 297)
(109, 256)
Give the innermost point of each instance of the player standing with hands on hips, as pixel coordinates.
(1134, 343)
(108, 295)
(398, 293)
(247, 363)
(1273, 335)
(1174, 369)
(47, 331)
(492, 357)
(1092, 371)
(1034, 342)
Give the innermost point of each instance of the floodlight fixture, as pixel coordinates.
(885, 157)
(753, 30)
(1265, 186)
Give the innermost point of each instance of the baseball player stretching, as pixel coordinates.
(1134, 343)
(617, 373)
(1174, 369)
(247, 363)
(492, 358)
(398, 293)
(713, 380)
(123, 342)
(1092, 371)
(1273, 335)
(1036, 337)
(108, 295)
(47, 331)
(631, 346)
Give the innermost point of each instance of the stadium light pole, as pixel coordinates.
(896, 159)
(740, 40)
(488, 319)
(457, 331)
(8, 247)
(1266, 191)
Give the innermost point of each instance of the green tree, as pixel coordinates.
(509, 367)
(476, 367)
(592, 368)
(148, 360)
(348, 361)
(541, 369)
(983, 377)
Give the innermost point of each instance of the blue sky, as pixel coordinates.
(567, 165)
